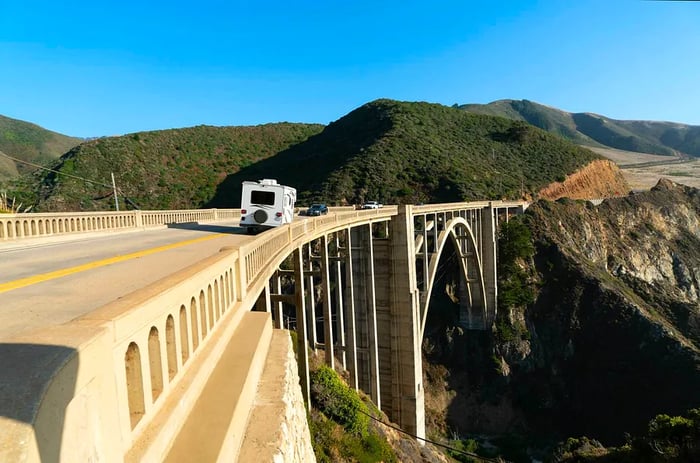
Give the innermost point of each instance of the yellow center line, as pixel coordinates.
(21, 283)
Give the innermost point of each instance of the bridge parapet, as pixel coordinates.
(31, 225)
(98, 388)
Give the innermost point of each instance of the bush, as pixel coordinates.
(337, 401)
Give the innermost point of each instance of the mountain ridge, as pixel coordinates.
(587, 128)
(30, 144)
(386, 150)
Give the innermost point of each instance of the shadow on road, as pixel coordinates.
(232, 230)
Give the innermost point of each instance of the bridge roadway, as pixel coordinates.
(83, 273)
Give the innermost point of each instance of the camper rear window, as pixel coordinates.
(262, 197)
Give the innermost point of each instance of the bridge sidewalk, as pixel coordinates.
(215, 426)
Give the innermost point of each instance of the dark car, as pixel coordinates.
(317, 209)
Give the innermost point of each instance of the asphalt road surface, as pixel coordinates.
(50, 281)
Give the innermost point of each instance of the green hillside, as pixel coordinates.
(400, 152)
(390, 151)
(666, 138)
(29, 142)
(166, 169)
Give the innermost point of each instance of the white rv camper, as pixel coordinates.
(266, 204)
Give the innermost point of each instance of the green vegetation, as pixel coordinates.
(29, 142)
(168, 169)
(664, 138)
(340, 425)
(338, 401)
(400, 152)
(668, 439)
(515, 291)
(388, 151)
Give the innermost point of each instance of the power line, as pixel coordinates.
(55, 171)
(129, 201)
(463, 452)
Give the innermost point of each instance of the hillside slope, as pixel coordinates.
(599, 179)
(29, 142)
(666, 138)
(165, 169)
(390, 151)
(395, 152)
(405, 152)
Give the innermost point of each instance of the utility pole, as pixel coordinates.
(114, 187)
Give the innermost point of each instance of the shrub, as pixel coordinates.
(337, 401)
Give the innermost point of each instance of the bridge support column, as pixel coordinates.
(302, 346)
(406, 401)
(349, 310)
(488, 262)
(311, 299)
(363, 292)
(327, 312)
(277, 306)
(340, 310)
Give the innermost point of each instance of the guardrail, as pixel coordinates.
(20, 226)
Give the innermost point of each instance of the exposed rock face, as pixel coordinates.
(615, 328)
(613, 335)
(599, 179)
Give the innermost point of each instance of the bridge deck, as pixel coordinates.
(68, 276)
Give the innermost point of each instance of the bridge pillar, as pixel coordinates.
(277, 306)
(349, 310)
(311, 298)
(488, 261)
(327, 312)
(405, 395)
(340, 310)
(302, 345)
(363, 293)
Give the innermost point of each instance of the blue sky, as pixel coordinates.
(108, 68)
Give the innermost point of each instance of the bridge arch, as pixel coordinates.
(459, 232)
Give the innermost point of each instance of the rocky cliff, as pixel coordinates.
(599, 179)
(610, 333)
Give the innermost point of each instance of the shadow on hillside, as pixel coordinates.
(36, 386)
(307, 165)
(208, 227)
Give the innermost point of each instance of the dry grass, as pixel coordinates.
(646, 176)
(8, 206)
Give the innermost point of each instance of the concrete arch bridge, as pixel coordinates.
(127, 381)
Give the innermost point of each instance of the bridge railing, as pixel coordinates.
(93, 387)
(21, 226)
(267, 248)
